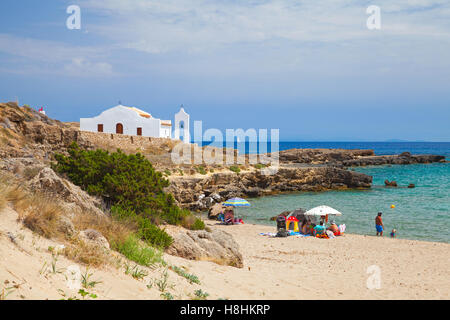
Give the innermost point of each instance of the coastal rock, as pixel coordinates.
(66, 226)
(93, 237)
(405, 154)
(284, 214)
(393, 159)
(47, 181)
(321, 155)
(388, 183)
(253, 183)
(217, 246)
(31, 133)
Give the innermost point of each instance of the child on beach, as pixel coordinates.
(393, 233)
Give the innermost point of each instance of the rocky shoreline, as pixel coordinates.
(200, 193)
(299, 170)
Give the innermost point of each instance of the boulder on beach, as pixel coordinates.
(93, 237)
(215, 210)
(217, 246)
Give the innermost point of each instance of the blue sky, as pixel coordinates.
(311, 69)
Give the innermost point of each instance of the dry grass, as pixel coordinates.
(38, 213)
(112, 230)
(43, 216)
(90, 255)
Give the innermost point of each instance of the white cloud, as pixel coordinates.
(161, 26)
(52, 57)
(83, 68)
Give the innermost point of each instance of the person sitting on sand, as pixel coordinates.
(304, 226)
(379, 224)
(310, 230)
(334, 228)
(393, 233)
(319, 229)
(229, 216)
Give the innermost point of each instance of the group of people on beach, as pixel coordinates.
(318, 230)
(379, 226)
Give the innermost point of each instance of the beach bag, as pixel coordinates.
(282, 233)
(281, 223)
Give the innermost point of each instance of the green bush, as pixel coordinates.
(146, 230)
(134, 250)
(152, 234)
(201, 170)
(126, 181)
(235, 169)
(129, 184)
(198, 225)
(259, 166)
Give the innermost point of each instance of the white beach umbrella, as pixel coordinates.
(322, 211)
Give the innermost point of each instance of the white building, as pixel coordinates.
(182, 122)
(130, 121)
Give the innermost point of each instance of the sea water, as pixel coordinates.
(420, 213)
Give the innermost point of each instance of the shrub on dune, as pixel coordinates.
(130, 185)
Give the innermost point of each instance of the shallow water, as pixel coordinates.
(421, 213)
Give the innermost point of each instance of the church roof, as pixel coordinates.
(140, 112)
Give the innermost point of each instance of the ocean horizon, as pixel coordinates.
(379, 147)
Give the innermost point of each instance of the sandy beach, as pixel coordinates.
(310, 268)
(274, 268)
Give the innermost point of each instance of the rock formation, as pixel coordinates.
(392, 183)
(217, 246)
(199, 193)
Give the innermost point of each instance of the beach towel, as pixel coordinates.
(330, 234)
(322, 236)
(301, 235)
(268, 234)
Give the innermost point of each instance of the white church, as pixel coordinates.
(133, 121)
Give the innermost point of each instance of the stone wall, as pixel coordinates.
(125, 142)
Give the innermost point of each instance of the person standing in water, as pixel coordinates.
(379, 224)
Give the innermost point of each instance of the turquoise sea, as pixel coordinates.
(422, 213)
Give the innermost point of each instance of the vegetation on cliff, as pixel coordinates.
(131, 186)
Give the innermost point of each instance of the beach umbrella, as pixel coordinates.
(236, 202)
(322, 211)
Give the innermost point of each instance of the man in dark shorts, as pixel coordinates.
(379, 224)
